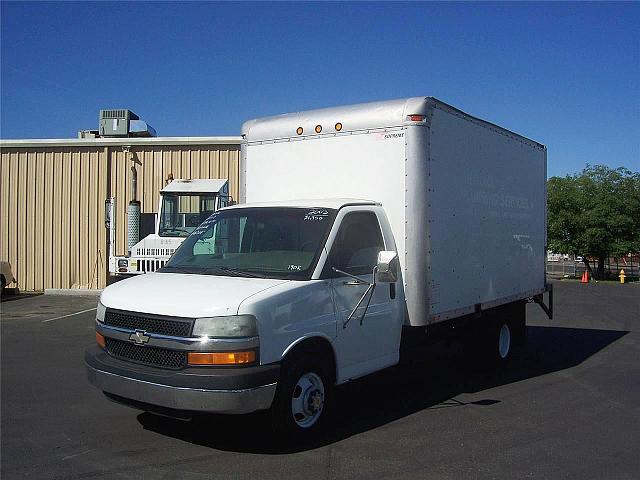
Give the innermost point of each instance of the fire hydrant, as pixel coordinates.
(622, 276)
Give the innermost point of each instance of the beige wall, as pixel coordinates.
(155, 163)
(52, 203)
(52, 216)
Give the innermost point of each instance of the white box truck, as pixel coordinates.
(360, 225)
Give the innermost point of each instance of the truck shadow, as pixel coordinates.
(429, 382)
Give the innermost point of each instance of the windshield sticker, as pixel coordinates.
(316, 215)
(297, 268)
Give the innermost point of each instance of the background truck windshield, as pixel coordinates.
(181, 214)
(262, 242)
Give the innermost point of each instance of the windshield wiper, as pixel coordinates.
(237, 272)
(171, 268)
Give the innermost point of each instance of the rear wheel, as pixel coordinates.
(300, 406)
(3, 284)
(504, 342)
(489, 343)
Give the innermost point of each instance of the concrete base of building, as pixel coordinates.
(73, 291)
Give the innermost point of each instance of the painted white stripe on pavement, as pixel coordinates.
(69, 315)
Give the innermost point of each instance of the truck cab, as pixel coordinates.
(183, 205)
(263, 306)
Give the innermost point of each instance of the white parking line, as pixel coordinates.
(69, 315)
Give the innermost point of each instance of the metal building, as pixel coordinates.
(53, 192)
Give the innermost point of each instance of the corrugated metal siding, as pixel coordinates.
(52, 227)
(154, 164)
(52, 203)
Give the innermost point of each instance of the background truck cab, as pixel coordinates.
(183, 205)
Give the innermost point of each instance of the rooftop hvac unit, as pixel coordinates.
(115, 123)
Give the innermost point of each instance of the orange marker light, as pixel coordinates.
(318, 128)
(299, 130)
(416, 118)
(338, 127)
(100, 340)
(221, 358)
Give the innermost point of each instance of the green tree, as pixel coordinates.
(594, 214)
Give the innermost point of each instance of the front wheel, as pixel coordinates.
(300, 406)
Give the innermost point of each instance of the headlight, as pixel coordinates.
(231, 326)
(123, 263)
(100, 311)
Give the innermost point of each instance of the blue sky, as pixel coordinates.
(564, 74)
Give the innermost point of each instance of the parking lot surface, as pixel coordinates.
(566, 406)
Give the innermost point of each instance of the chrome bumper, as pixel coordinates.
(181, 398)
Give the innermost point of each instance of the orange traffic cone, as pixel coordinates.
(585, 277)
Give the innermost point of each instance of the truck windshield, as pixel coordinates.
(181, 214)
(255, 242)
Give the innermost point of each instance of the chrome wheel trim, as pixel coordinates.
(307, 400)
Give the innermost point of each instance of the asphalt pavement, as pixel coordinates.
(566, 406)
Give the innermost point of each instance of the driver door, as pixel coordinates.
(368, 341)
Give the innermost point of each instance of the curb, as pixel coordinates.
(73, 292)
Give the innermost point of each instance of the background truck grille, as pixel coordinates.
(157, 357)
(150, 324)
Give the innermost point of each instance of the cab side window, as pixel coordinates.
(355, 249)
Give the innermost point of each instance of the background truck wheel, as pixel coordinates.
(3, 283)
(300, 407)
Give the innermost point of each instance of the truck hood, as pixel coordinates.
(184, 295)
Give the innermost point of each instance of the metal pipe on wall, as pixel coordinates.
(133, 209)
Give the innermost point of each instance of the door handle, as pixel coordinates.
(353, 283)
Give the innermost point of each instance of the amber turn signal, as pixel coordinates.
(100, 340)
(221, 358)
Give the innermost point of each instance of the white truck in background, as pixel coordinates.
(183, 205)
(415, 218)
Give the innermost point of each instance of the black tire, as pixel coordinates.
(502, 335)
(3, 284)
(300, 369)
(484, 346)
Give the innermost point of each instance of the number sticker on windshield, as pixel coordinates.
(297, 268)
(316, 215)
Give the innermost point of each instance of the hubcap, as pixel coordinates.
(504, 341)
(307, 400)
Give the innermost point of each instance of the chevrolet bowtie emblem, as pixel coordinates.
(139, 337)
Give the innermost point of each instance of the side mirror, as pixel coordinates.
(387, 268)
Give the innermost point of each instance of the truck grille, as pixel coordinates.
(150, 324)
(153, 356)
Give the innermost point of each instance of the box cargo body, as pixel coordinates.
(466, 199)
